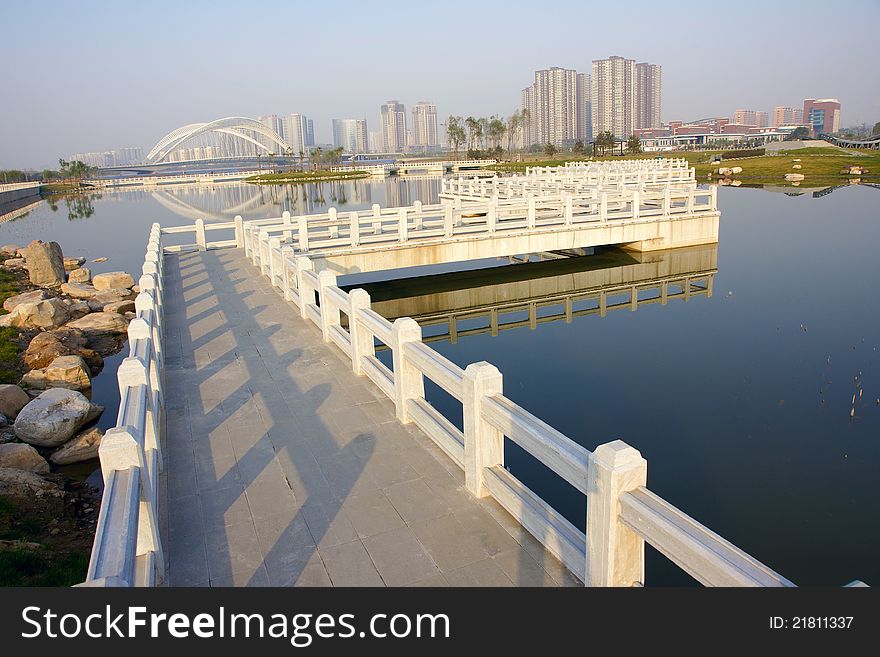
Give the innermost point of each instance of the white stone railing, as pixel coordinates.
(127, 550)
(426, 224)
(14, 187)
(622, 513)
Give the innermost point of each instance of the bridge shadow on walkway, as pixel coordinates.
(284, 468)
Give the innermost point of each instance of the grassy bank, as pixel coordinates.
(10, 346)
(307, 176)
(822, 166)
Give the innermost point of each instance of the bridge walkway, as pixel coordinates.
(284, 468)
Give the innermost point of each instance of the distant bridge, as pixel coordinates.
(403, 167)
(872, 142)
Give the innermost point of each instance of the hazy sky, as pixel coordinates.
(88, 76)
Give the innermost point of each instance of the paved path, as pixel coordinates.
(284, 468)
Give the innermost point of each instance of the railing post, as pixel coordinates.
(201, 243)
(274, 243)
(417, 212)
(714, 197)
(285, 273)
(355, 229)
(690, 206)
(667, 201)
(448, 214)
(401, 225)
(531, 212)
(615, 553)
(636, 203)
(287, 221)
(483, 443)
(408, 381)
(377, 219)
(492, 216)
(303, 233)
(603, 207)
(306, 293)
(568, 210)
(239, 232)
(329, 310)
(361, 340)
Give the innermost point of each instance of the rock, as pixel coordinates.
(72, 263)
(100, 323)
(795, 166)
(100, 260)
(12, 400)
(27, 297)
(7, 435)
(9, 250)
(52, 418)
(82, 447)
(77, 309)
(101, 299)
(80, 275)
(46, 314)
(22, 484)
(79, 290)
(69, 372)
(46, 347)
(736, 170)
(22, 457)
(121, 307)
(15, 263)
(130, 315)
(95, 411)
(45, 263)
(794, 177)
(135, 289)
(724, 171)
(113, 280)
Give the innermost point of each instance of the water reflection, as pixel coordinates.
(461, 304)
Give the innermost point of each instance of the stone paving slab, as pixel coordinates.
(283, 468)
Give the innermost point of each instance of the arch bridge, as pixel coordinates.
(234, 135)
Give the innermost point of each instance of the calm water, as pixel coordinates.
(741, 402)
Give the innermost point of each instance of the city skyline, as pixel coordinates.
(129, 105)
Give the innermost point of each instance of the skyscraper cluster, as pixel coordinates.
(296, 129)
(351, 135)
(617, 96)
(626, 96)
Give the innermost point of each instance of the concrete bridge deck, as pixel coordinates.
(284, 468)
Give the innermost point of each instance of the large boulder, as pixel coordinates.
(22, 457)
(26, 485)
(46, 314)
(79, 290)
(46, 347)
(120, 307)
(77, 308)
(113, 280)
(10, 250)
(12, 400)
(45, 263)
(14, 263)
(80, 275)
(101, 324)
(82, 447)
(69, 372)
(26, 297)
(98, 302)
(53, 418)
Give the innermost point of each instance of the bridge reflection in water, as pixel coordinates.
(457, 305)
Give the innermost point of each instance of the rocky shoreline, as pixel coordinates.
(66, 321)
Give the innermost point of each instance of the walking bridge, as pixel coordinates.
(261, 441)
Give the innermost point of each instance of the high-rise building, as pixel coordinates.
(822, 115)
(787, 116)
(557, 105)
(299, 132)
(424, 126)
(585, 106)
(393, 115)
(614, 96)
(648, 90)
(351, 134)
(751, 118)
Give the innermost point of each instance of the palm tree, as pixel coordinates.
(473, 128)
(455, 134)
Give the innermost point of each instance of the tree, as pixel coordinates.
(317, 156)
(876, 131)
(549, 150)
(578, 148)
(474, 130)
(455, 134)
(513, 124)
(496, 131)
(633, 145)
(604, 141)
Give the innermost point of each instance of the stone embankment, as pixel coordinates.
(70, 321)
